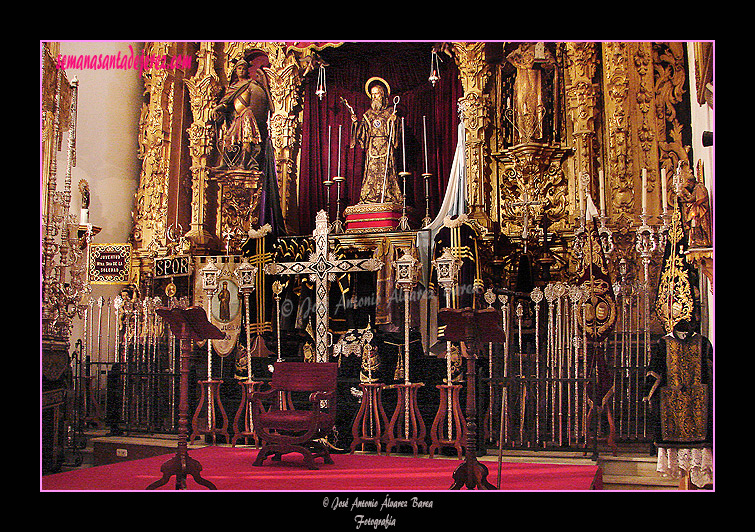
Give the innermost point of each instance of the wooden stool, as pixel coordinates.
(371, 421)
(407, 410)
(247, 387)
(210, 391)
(449, 411)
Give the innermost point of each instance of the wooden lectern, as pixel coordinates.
(471, 328)
(189, 324)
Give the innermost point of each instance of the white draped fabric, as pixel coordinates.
(697, 462)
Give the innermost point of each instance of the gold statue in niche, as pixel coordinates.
(531, 61)
(242, 114)
(695, 204)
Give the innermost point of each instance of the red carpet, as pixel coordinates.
(231, 469)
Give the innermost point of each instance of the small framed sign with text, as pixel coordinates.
(109, 263)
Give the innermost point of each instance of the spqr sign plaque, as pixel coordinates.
(174, 266)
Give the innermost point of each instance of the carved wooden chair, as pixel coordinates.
(297, 410)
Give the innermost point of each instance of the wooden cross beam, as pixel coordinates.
(322, 268)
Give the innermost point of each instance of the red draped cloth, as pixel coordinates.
(405, 66)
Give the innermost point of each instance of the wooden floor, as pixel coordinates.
(633, 467)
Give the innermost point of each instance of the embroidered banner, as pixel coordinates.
(226, 304)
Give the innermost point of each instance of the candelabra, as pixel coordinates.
(605, 236)
(426, 221)
(646, 243)
(582, 234)
(447, 267)
(247, 275)
(210, 388)
(65, 241)
(407, 276)
(403, 222)
(337, 226)
(426, 174)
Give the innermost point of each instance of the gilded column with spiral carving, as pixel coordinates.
(204, 88)
(474, 72)
(632, 138)
(581, 102)
(151, 197)
(285, 76)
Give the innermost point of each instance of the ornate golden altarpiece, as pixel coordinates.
(538, 117)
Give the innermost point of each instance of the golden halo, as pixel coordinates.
(381, 80)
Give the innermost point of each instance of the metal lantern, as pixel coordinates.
(210, 274)
(406, 271)
(447, 267)
(321, 83)
(247, 275)
(434, 68)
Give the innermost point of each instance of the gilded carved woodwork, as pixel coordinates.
(64, 283)
(204, 88)
(209, 220)
(669, 88)
(239, 196)
(631, 129)
(285, 77)
(643, 84)
(533, 173)
(288, 66)
(533, 184)
(613, 107)
(474, 72)
(151, 197)
(582, 96)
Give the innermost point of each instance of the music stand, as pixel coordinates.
(189, 324)
(472, 327)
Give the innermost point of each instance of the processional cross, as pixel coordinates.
(526, 203)
(322, 268)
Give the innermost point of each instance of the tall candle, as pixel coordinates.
(424, 137)
(339, 149)
(581, 199)
(602, 191)
(328, 176)
(663, 189)
(403, 144)
(644, 191)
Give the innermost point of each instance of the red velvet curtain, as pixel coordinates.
(406, 67)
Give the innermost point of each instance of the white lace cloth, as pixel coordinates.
(697, 462)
